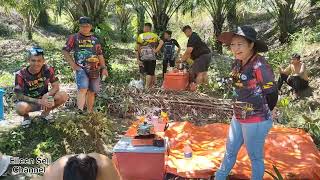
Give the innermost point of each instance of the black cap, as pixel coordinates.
(85, 20)
(295, 56)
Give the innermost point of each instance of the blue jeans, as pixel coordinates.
(253, 135)
(84, 82)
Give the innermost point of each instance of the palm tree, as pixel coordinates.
(140, 12)
(286, 13)
(161, 11)
(29, 10)
(219, 10)
(123, 13)
(95, 9)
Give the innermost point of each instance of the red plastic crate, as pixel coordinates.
(176, 80)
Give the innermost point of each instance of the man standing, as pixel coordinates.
(200, 53)
(87, 62)
(31, 88)
(146, 57)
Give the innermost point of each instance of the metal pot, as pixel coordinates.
(181, 66)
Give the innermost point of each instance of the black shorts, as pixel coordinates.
(149, 67)
(201, 64)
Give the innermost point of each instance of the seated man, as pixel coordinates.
(32, 88)
(295, 75)
(93, 166)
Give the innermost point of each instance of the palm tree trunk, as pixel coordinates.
(218, 21)
(232, 17)
(43, 19)
(140, 17)
(160, 22)
(29, 25)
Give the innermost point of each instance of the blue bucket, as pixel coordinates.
(2, 91)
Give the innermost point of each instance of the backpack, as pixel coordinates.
(168, 50)
(147, 53)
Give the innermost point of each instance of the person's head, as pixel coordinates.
(243, 42)
(295, 58)
(35, 58)
(187, 30)
(167, 34)
(147, 27)
(81, 167)
(85, 25)
(241, 47)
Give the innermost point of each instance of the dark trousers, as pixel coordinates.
(165, 64)
(297, 83)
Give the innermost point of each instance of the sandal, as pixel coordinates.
(48, 119)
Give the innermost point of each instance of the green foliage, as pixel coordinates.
(30, 11)
(277, 175)
(124, 16)
(95, 9)
(64, 136)
(313, 127)
(286, 13)
(298, 115)
(6, 79)
(161, 12)
(298, 43)
(104, 34)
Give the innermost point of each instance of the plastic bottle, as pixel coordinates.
(188, 156)
(103, 78)
(187, 150)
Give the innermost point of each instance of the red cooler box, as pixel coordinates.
(139, 162)
(176, 80)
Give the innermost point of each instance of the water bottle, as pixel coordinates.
(187, 150)
(103, 78)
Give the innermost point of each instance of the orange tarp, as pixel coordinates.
(291, 150)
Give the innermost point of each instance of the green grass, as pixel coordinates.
(60, 138)
(6, 79)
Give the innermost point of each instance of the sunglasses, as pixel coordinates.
(36, 51)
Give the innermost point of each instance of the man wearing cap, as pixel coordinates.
(201, 55)
(295, 75)
(32, 88)
(88, 62)
(255, 95)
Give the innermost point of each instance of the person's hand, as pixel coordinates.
(140, 63)
(75, 67)
(45, 103)
(154, 50)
